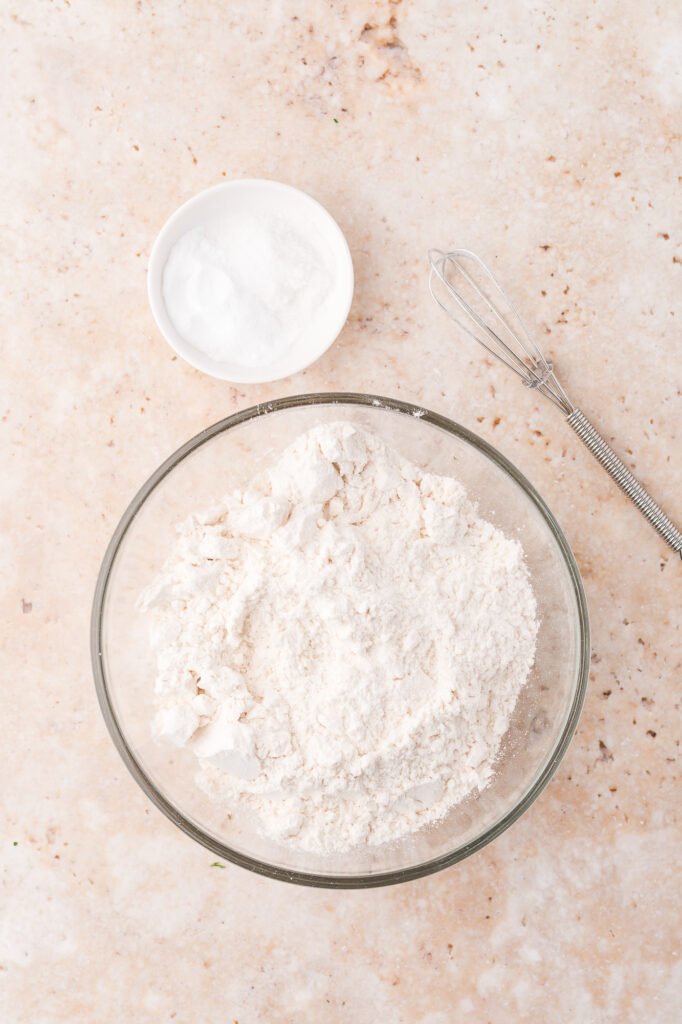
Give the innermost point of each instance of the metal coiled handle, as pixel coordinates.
(601, 450)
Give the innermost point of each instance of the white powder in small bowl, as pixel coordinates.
(342, 644)
(242, 288)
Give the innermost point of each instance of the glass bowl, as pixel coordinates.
(226, 456)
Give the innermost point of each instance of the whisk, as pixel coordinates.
(502, 332)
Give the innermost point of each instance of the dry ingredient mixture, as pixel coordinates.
(241, 288)
(342, 644)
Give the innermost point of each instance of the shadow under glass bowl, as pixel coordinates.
(226, 456)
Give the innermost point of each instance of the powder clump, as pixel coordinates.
(242, 288)
(342, 644)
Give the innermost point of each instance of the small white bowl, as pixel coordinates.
(254, 193)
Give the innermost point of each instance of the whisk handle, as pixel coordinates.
(602, 451)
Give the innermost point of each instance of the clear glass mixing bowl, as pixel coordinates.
(226, 456)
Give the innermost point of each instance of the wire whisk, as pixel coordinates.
(487, 314)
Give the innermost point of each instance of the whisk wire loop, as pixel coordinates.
(508, 339)
(510, 342)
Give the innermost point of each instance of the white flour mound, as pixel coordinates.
(342, 644)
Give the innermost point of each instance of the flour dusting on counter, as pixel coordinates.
(342, 644)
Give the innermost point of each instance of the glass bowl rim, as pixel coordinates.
(350, 881)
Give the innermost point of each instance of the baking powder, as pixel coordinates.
(242, 288)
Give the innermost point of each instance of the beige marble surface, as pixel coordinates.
(547, 137)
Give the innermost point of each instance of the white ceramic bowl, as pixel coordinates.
(257, 195)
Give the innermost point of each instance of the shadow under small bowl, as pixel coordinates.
(226, 456)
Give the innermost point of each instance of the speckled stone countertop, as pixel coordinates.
(547, 138)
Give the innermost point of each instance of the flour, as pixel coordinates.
(342, 644)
